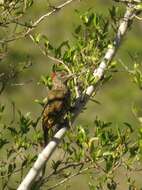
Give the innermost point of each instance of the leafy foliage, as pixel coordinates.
(102, 149)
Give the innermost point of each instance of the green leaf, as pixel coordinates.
(78, 29)
(3, 142)
(139, 6)
(46, 80)
(2, 108)
(129, 126)
(12, 130)
(56, 164)
(24, 122)
(38, 38)
(11, 168)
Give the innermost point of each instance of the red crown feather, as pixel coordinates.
(53, 75)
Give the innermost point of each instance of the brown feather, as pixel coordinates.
(56, 107)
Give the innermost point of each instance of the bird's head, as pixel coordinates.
(60, 77)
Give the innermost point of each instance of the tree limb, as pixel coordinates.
(82, 100)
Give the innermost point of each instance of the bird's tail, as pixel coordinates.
(46, 136)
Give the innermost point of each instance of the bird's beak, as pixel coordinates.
(68, 77)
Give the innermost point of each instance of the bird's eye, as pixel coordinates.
(62, 74)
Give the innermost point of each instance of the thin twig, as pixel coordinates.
(63, 168)
(76, 88)
(95, 165)
(60, 61)
(139, 18)
(128, 1)
(71, 176)
(22, 84)
(55, 9)
(38, 21)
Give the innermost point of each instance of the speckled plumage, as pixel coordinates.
(57, 106)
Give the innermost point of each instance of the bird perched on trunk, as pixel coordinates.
(58, 103)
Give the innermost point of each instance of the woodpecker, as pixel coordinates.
(58, 104)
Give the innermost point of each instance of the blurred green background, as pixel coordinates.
(116, 97)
